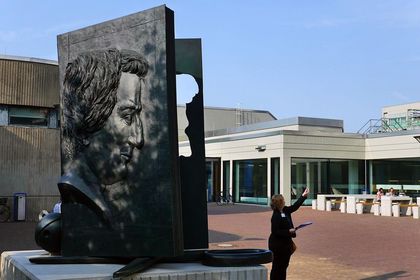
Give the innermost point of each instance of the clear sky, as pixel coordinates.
(333, 59)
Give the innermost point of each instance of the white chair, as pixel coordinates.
(343, 207)
(396, 210)
(328, 205)
(314, 204)
(376, 209)
(359, 208)
(416, 213)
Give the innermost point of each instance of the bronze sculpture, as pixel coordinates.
(101, 124)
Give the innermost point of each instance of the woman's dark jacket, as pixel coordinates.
(280, 237)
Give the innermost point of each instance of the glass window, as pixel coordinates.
(28, 116)
(209, 172)
(226, 177)
(327, 176)
(250, 181)
(401, 174)
(3, 115)
(275, 176)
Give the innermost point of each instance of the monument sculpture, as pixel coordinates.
(101, 125)
(127, 197)
(120, 182)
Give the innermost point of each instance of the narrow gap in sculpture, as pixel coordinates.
(186, 89)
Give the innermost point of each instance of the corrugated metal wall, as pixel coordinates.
(29, 156)
(28, 83)
(30, 163)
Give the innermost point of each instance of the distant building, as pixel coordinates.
(217, 119)
(402, 117)
(249, 153)
(29, 132)
(253, 162)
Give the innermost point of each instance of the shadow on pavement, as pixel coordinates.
(386, 276)
(218, 236)
(214, 209)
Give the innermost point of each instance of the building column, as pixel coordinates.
(371, 183)
(269, 181)
(285, 178)
(353, 177)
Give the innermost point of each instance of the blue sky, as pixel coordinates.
(333, 59)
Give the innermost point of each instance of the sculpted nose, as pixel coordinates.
(136, 136)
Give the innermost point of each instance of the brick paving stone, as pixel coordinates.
(336, 246)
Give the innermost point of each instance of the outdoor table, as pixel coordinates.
(321, 199)
(353, 198)
(386, 203)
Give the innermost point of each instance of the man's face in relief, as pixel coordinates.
(111, 148)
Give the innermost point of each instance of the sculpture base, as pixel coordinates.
(16, 265)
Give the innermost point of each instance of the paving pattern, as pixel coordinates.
(336, 246)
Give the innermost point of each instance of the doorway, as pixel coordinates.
(213, 178)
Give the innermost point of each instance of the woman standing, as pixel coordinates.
(282, 231)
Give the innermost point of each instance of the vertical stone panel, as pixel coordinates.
(148, 207)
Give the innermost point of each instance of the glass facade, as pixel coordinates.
(401, 174)
(275, 176)
(226, 178)
(250, 181)
(209, 173)
(327, 176)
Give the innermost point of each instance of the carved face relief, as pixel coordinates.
(110, 149)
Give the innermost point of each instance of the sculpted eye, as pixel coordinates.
(126, 114)
(128, 119)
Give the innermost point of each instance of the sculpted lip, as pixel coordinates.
(126, 154)
(126, 158)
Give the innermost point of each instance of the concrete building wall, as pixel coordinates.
(285, 145)
(397, 146)
(399, 110)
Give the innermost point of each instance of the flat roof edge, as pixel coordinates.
(279, 123)
(28, 59)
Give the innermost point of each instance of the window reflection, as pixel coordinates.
(250, 181)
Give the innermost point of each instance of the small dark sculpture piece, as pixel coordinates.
(48, 233)
(101, 124)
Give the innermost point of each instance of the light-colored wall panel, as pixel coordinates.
(403, 146)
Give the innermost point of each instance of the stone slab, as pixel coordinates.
(15, 265)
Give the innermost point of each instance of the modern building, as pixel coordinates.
(30, 134)
(256, 161)
(250, 154)
(218, 119)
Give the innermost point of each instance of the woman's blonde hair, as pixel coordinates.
(277, 202)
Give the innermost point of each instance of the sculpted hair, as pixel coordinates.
(277, 202)
(90, 92)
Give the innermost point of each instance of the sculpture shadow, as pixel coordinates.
(391, 275)
(219, 236)
(214, 209)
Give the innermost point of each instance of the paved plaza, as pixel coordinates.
(336, 246)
